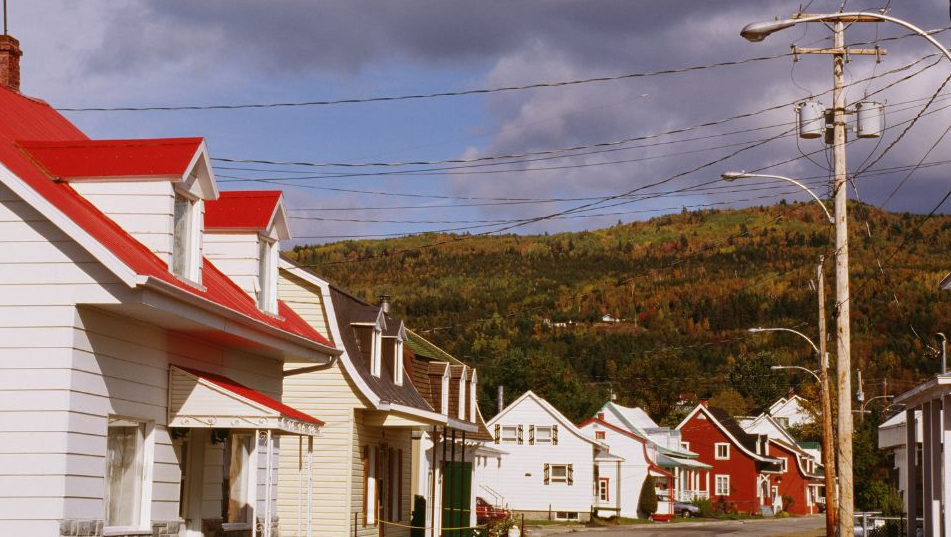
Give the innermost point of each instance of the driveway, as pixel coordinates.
(810, 526)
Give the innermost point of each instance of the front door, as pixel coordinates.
(456, 497)
(193, 459)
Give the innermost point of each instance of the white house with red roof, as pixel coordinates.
(647, 449)
(141, 383)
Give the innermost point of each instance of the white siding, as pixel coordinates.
(238, 256)
(65, 369)
(142, 208)
(633, 467)
(522, 484)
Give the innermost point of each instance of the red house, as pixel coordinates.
(800, 487)
(745, 477)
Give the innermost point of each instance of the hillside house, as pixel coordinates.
(371, 410)
(786, 411)
(141, 385)
(647, 449)
(892, 438)
(550, 468)
(744, 474)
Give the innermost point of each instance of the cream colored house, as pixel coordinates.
(370, 407)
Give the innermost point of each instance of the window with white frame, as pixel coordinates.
(238, 473)
(783, 464)
(543, 434)
(721, 451)
(444, 402)
(186, 237)
(472, 398)
(722, 485)
(127, 485)
(685, 446)
(376, 351)
(783, 422)
(267, 274)
(398, 362)
(604, 489)
(510, 433)
(559, 473)
(599, 435)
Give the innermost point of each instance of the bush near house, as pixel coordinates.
(647, 504)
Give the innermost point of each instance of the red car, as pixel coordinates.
(486, 512)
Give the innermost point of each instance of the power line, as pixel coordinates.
(542, 152)
(454, 93)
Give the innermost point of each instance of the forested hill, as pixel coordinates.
(527, 310)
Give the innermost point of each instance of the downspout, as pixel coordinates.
(311, 369)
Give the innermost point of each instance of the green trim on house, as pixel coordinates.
(422, 347)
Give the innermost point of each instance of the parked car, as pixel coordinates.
(486, 512)
(686, 510)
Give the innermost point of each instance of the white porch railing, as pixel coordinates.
(497, 499)
(690, 495)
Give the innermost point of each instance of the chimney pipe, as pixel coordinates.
(385, 303)
(10, 62)
(501, 399)
(944, 353)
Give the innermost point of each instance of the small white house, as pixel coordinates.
(646, 449)
(892, 437)
(549, 465)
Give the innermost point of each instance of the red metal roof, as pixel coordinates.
(252, 395)
(24, 118)
(113, 158)
(246, 209)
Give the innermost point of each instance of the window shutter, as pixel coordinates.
(498, 433)
(547, 473)
(366, 482)
(531, 435)
(554, 435)
(519, 435)
(571, 474)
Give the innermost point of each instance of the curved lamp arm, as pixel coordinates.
(807, 370)
(758, 31)
(733, 176)
(790, 330)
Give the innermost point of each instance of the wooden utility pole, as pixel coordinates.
(828, 458)
(843, 364)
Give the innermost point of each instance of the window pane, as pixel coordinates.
(543, 434)
(559, 471)
(181, 236)
(124, 461)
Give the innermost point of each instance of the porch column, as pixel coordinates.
(927, 470)
(310, 486)
(911, 494)
(945, 481)
(708, 483)
(937, 475)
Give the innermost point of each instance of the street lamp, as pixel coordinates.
(807, 370)
(758, 31)
(863, 412)
(733, 176)
(828, 460)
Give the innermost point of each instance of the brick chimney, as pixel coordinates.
(10, 62)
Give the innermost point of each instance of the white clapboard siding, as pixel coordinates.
(306, 300)
(237, 255)
(142, 208)
(522, 482)
(64, 370)
(633, 469)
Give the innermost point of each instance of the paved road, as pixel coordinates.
(787, 527)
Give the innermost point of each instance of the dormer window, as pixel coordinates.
(398, 362)
(444, 407)
(472, 397)
(462, 394)
(186, 237)
(267, 274)
(376, 352)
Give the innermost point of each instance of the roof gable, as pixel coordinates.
(248, 210)
(552, 411)
(29, 119)
(746, 442)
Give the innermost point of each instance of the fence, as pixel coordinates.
(877, 525)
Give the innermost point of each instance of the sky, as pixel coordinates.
(116, 53)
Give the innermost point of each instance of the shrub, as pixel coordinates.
(418, 518)
(705, 507)
(647, 503)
